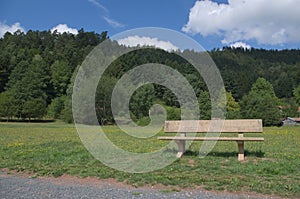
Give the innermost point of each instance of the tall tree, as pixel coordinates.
(61, 73)
(204, 105)
(103, 99)
(7, 105)
(141, 101)
(34, 108)
(232, 107)
(56, 107)
(261, 103)
(33, 84)
(296, 93)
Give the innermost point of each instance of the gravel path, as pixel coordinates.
(20, 186)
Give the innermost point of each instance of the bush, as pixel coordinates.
(173, 113)
(66, 113)
(34, 108)
(144, 121)
(56, 107)
(67, 116)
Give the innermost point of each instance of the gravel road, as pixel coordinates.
(16, 185)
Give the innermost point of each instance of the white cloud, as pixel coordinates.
(147, 41)
(240, 45)
(267, 22)
(61, 28)
(99, 5)
(113, 23)
(13, 28)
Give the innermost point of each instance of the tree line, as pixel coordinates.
(38, 68)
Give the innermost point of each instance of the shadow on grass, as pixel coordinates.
(259, 154)
(28, 121)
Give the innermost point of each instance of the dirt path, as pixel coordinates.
(17, 185)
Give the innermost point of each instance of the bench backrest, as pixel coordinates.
(224, 126)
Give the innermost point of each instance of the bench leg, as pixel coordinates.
(181, 147)
(241, 155)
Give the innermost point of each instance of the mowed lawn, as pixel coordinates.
(53, 149)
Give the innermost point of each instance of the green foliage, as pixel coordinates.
(170, 98)
(261, 103)
(61, 73)
(142, 100)
(288, 107)
(241, 68)
(56, 107)
(29, 88)
(33, 82)
(42, 64)
(173, 113)
(17, 73)
(66, 116)
(296, 93)
(66, 113)
(205, 105)
(34, 108)
(144, 121)
(7, 105)
(103, 99)
(38, 65)
(232, 107)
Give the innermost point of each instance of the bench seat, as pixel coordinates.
(213, 138)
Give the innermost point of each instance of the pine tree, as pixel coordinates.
(261, 103)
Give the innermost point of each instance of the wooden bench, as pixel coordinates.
(203, 126)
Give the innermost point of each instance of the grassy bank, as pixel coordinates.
(272, 167)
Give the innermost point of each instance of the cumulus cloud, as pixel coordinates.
(61, 28)
(266, 22)
(240, 45)
(147, 41)
(13, 28)
(113, 23)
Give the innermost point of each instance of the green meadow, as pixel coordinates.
(54, 149)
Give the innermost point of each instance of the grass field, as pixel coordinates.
(53, 149)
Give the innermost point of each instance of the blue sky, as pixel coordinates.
(255, 23)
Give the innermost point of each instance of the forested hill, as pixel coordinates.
(36, 71)
(240, 69)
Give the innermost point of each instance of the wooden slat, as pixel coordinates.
(213, 138)
(230, 126)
